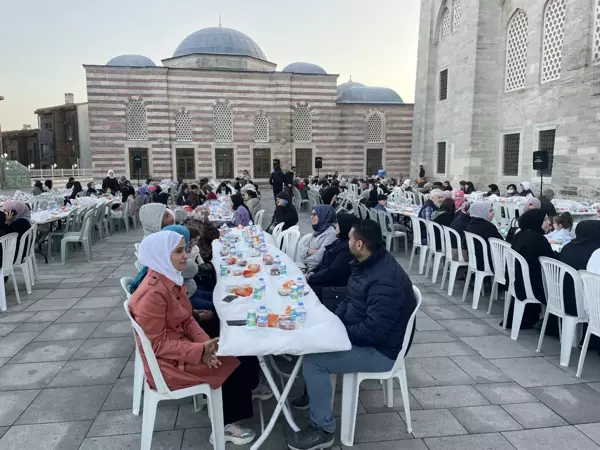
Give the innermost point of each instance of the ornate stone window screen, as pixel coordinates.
(446, 23)
(302, 124)
(137, 120)
(261, 128)
(554, 32)
(375, 129)
(516, 52)
(596, 46)
(456, 15)
(223, 122)
(183, 127)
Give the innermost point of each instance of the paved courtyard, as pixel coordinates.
(66, 370)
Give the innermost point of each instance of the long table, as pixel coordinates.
(323, 331)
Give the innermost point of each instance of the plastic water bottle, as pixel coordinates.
(300, 314)
(262, 318)
(300, 286)
(251, 224)
(262, 285)
(277, 262)
(251, 319)
(257, 294)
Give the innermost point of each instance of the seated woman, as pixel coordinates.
(126, 199)
(530, 203)
(525, 189)
(493, 190)
(469, 187)
(480, 224)
(91, 189)
(224, 188)
(154, 217)
(183, 195)
(323, 223)
(511, 190)
(191, 268)
(304, 189)
(446, 214)
(48, 186)
(186, 355)
(334, 269)
(252, 201)
(38, 188)
(15, 218)
(530, 243)
(241, 213)
(284, 212)
(76, 189)
(447, 186)
(372, 199)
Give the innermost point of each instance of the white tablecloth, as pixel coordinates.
(323, 331)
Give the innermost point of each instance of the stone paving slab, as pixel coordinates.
(66, 375)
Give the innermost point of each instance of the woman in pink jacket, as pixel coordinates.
(185, 353)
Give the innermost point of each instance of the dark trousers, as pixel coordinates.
(237, 390)
(276, 190)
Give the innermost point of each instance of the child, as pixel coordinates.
(562, 228)
(381, 202)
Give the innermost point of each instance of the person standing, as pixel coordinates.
(421, 172)
(288, 179)
(276, 180)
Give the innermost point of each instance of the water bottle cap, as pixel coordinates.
(262, 307)
(261, 279)
(300, 278)
(300, 303)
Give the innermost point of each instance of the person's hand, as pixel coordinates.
(312, 251)
(9, 217)
(204, 314)
(209, 356)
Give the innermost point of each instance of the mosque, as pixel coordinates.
(218, 106)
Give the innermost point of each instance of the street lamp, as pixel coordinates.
(31, 166)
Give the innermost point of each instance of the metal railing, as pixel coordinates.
(60, 173)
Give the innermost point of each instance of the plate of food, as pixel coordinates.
(247, 273)
(231, 260)
(254, 267)
(242, 290)
(242, 262)
(289, 284)
(284, 292)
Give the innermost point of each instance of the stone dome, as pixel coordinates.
(131, 61)
(304, 67)
(367, 94)
(219, 41)
(348, 85)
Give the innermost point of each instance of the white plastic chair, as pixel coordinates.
(259, 217)
(162, 392)
(433, 253)
(83, 236)
(287, 241)
(30, 258)
(417, 243)
(497, 247)
(22, 261)
(480, 275)
(387, 229)
(511, 258)
(69, 221)
(553, 273)
(9, 248)
(351, 385)
(453, 262)
(137, 246)
(277, 230)
(590, 283)
(139, 377)
(125, 216)
(500, 213)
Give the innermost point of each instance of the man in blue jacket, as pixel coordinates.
(376, 313)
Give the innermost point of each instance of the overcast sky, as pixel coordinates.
(43, 44)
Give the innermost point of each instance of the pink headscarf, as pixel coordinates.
(459, 197)
(152, 188)
(21, 210)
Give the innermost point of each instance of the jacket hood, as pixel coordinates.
(151, 217)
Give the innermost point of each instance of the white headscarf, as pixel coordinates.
(526, 185)
(110, 174)
(481, 210)
(593, 264)
(151, 217)
(155, 253)
(406, 183)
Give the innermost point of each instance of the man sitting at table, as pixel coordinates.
(375, 312)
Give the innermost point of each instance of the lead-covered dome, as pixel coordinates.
(131, 61)
(367, 94)
(347, 86)
(219, 41)
(304, 67)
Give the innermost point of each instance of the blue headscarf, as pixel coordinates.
(179, 229)
(327, 218)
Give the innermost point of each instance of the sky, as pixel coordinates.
(44, 45)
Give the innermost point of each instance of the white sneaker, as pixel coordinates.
(262, 392)
(236, 434)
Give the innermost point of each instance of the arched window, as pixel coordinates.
(516, 51)
(375, 129)
(554, 32)
(455, 14)
(137, 122)
(302, 124)
(183, 126)
(261, 128)
(596, 46)
(446, 24)
(223, 122)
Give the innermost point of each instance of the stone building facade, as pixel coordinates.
(500, 79)
(218, 106)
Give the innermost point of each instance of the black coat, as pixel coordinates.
(328, 194)
(531, 245)
(276, 180)
(547, 206)
(486, 230)
(110, 183)
(379, 304)
(19, 226)
(334, 269)
(286, 214)
(444, 219)
(288, 178)
(460, 222)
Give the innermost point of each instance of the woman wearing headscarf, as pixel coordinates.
(531, 203)
(493, 190)
(284, 212)
(372, 199)
(76, 189)
(323, 223)
(191, 268)
(186, 355)
(241, 212)
(447, 186)
(334, 268)
(406, 185)
(154, 217)
(48, 185)
(91, 189)
(459, 197)
(17, 217)
(252, 201)
(224, 188)
(481, 225)
(469, 187)
(110, 183)
(525, 189)
(511, 190)
(530, 243)
(38, 188)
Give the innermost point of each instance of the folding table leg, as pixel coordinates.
(281, 398)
